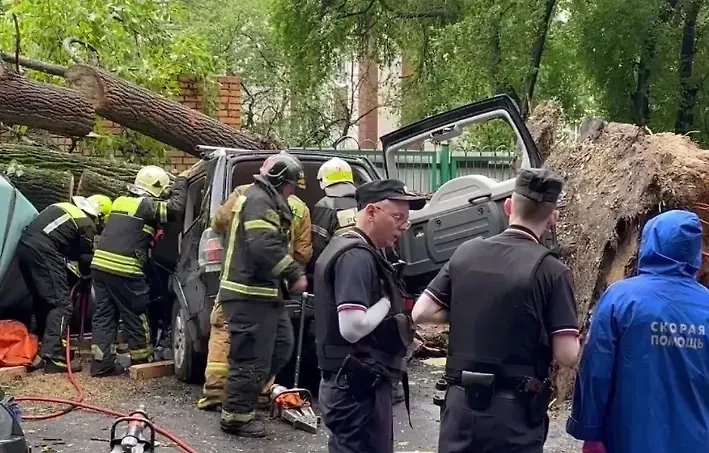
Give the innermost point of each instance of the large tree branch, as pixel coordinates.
(47, 68)
(537, 51)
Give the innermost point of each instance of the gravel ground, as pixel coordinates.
(171, 404)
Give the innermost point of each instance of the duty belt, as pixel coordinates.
(389, 361)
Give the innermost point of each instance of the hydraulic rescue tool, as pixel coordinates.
(12, 438)
(139, 434)
(294, 406)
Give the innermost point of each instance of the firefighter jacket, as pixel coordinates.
(257, 255)
(130, 231)
(385, 348)
(493, 334)
(332, 215)
(300, 242)
(65, 229)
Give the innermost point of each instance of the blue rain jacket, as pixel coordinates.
(643, 380)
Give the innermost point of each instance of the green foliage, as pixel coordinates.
(142, 41)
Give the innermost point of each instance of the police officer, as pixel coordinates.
(362, 332)
(117, 267)
(62, 232)
(215, 373)
(335, 212)
(257, 261)
(510, 305)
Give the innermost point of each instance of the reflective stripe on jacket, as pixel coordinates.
(66, 229)
(129, 232)
(300, 240)
(257, 253)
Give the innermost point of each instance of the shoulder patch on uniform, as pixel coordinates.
(346, 217)
(272, 216)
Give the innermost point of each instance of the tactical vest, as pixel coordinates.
(128, 236)
(345, 209)
(489, 309)
(386, 346)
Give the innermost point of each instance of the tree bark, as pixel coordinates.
(688, 87)
(40, 186)
(537, 51)
(32, 156)
(58, 110)
(641, 97)
(156, 116)
(92, 183)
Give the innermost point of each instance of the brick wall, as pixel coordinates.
(227, 112)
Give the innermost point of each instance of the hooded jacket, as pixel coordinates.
(643, 380)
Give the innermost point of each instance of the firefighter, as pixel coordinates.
(62, 232)
(362, 330)
(336, 211)
(257, 261)
(117, 268)
(511, 309)
(217, 366)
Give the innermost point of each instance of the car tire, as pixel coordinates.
(189, 365)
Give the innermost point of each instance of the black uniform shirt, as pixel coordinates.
(356, 284)
(552, 294)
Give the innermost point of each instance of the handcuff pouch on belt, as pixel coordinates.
(535, 395)
(479, 389)
(357, 378)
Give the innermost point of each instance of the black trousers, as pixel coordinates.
(261, 344)
(357, 425)
(45, 273)
(117, 298)
(502, 428)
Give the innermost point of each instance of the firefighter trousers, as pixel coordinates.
(45, 274)
(261, 344)
(215, 374)
(125, 298)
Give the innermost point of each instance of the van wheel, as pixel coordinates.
(189, 365)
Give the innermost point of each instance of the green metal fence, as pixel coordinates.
(426, 171)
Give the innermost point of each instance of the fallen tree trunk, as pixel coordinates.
(40, 105)
(40, 186)
(156, 116)
(92, 183)
(32, 156)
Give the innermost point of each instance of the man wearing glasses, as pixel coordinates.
(362, 330)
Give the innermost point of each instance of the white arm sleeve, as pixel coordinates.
(355, 324)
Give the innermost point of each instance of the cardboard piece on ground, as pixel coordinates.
(11, 372)
(152, 370)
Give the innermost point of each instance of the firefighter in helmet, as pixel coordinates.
(335, 212)
(117, 267)
(217, 365)
(62, 232)
(257, 262)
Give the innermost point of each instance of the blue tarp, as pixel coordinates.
(643, 383)
(16, 212)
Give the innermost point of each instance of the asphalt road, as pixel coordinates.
(171, 404)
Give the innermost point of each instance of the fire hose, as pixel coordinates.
(78, 402)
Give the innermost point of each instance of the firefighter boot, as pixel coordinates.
(245, 425)
(55, 366)
(209, 403)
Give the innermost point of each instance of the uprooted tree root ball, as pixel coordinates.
(617, 176)
(616, 179)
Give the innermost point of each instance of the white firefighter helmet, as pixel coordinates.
(85, 205)
(150, 180)
(334, 171)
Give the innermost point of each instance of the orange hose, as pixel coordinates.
(78, 402)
